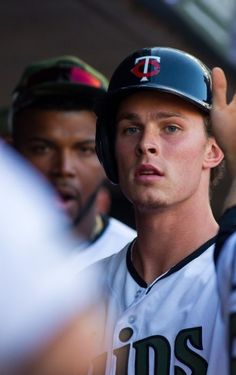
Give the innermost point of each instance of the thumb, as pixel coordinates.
(219, 88)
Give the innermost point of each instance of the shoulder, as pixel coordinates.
(110, 263)
(109, 267)
(118, 228)
(115, 236)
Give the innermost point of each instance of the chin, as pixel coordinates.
(149, 204)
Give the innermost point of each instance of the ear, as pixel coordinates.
(213, 154)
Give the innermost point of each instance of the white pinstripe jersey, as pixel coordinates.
(172, 327)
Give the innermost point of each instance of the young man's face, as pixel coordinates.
(162, 150)
(61, 144)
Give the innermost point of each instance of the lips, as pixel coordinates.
(147, 170)
(66, 195)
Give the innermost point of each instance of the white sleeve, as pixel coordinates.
(39, 291)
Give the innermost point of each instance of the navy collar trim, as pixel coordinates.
(142, 283)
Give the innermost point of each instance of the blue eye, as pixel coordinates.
(131, 130)
(171, 129)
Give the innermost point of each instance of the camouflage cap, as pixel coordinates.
(60, 75)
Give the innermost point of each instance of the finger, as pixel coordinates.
(234, 99)
(219, 87)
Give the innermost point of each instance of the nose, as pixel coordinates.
(64, 164)
(148, 143)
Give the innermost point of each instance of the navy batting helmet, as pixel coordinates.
(159, 68)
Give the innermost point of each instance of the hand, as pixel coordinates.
(223, 116)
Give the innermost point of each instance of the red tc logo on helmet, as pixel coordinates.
(146, 67)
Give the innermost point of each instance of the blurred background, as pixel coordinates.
(103, 32)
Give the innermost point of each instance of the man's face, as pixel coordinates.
(161, 150)
(61, 144)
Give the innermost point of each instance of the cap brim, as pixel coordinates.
(67, 88)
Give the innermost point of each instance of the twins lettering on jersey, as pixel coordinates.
(187, 343)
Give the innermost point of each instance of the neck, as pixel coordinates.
(167, 236)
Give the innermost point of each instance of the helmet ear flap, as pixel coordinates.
(105, 143)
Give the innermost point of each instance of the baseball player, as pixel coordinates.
(53, 126)
(154, 138)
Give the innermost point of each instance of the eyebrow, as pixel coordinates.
(156, 115)
(127, 116)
